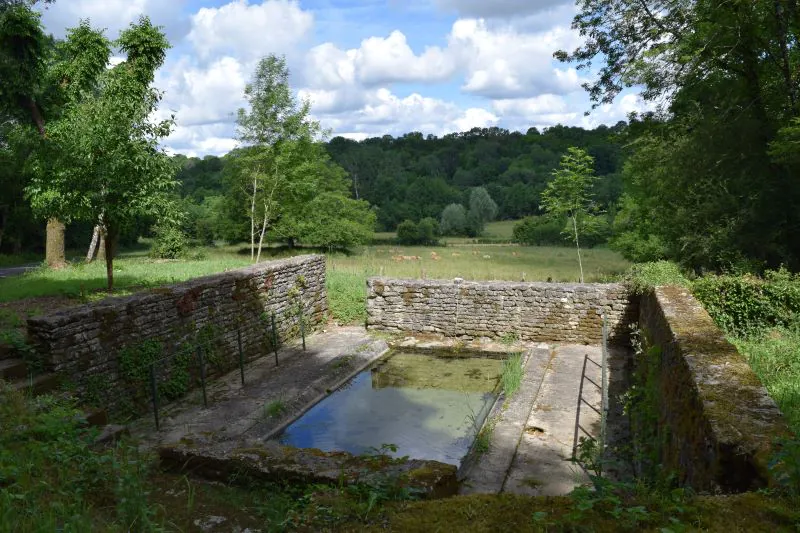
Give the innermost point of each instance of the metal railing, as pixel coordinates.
(602, 387)
(201, 360)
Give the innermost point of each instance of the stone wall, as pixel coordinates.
(102, 348)
(549, 312)
(716, 422)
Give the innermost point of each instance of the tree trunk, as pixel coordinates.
(577, 245)
(110, 244)
(101, 247)
(253, 219)
(54, 247)
(263, 230)
(92, 253)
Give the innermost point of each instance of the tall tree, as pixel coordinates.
(40, 78)
(102, 155)
(725, 76)
(569, 192)
(278, 135)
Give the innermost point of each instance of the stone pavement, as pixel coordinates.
(531, 446)
(300, 380)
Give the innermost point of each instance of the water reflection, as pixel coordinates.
(426, 405)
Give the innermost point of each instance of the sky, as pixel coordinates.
(368, 67)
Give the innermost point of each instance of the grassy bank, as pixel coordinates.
(53, 479)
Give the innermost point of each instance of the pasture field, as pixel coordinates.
(347, 272)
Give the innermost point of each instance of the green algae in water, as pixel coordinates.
(429, 407)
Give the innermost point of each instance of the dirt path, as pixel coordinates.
(7, 272)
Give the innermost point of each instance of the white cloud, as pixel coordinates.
(381, 61)
(204, 95)
(505, 63)
(385, 112)
(114, 15)
(249, 31)
(531, 107)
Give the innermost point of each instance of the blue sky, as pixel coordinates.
(369, 67)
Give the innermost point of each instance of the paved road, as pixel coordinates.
(8, 272)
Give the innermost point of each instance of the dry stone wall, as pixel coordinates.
(717, 424)
(549, 312)
(101, 347)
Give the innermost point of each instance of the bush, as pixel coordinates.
(407, 232)
(424, 233)
(454, 220)
(645, 276)
(427, 231)
(539, 231)
(747, 305)
(169, 243)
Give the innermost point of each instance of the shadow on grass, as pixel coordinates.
(280, 251)
(82, 290)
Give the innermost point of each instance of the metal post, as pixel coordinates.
(302, 326)
(274, 338)
(241, 353)
(604, 384)
(154, 392)
(202, 375)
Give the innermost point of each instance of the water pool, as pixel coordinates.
(429, 407)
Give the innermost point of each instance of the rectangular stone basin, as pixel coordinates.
(428, 406)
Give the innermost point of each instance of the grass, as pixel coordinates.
(347, 273)
(347, 292)
(775, 358)
(275, 408)
(480, 262)
(511, 374)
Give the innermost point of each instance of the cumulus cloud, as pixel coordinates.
(505, 63)
(492, 66)
(204, 95)
(114, 15)
(248, 31)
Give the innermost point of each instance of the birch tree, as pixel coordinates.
(569, 192)
(278, 136)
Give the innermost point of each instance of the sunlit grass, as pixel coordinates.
(775, 358)
(347, 273)
(480, 262)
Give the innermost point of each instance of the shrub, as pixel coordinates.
(746, 305)
(427, 231)
(454, 220)
(644, 276)
(169, 243)
(539, 231)
(407, 232)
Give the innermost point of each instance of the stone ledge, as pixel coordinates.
(717, 419)
(270, 461)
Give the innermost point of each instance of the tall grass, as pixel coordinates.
(511, 374)
(775, 358)
(347, 294)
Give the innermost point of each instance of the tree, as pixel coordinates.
(279, 138)
(102, 157)
(407, 232)
(454, 220)
(723, 76)
(569, 192)
(482, 209)
(334, 221)
(39, 79)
